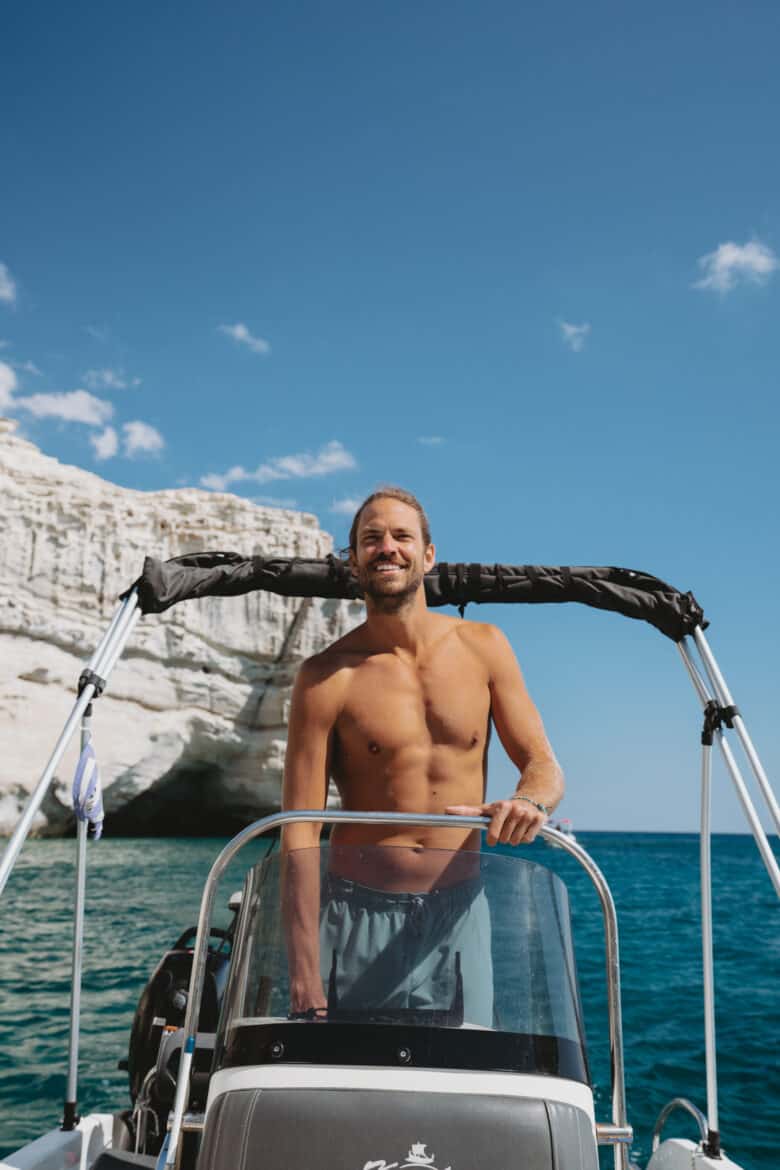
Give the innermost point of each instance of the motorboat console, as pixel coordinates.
(448, 1033)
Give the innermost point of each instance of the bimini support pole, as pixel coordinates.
(714, 704)
(92, 681)
(724, 695)
(70, 1117)
(712, 1144)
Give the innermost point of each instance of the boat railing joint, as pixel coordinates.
(611, 1135)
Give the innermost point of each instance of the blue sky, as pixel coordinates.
(520, 259)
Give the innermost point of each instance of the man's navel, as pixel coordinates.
(374, 747)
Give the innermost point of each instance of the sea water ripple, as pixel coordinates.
(143, 893)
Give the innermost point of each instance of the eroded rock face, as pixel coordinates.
(191, 731)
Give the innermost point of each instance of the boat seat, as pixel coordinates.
(349, 1129)
(122, 1159)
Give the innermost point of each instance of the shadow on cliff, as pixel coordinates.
(196, 798)
(211, 790)
(187, 802)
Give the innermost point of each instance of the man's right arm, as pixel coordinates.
(310, 730)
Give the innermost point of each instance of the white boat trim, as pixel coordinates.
(407, 1080)
(682, 1154)
(65, 1149)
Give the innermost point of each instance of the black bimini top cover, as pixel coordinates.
(224, 574)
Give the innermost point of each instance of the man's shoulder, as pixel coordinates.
(320, 686)
(481, 633)
(478, 637)
(346, 652)
(484, 639)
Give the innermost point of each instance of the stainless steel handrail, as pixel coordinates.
(689, 1107)
(327, 817)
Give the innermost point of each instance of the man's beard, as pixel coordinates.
(389, 600)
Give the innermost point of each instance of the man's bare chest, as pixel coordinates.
(391, 704)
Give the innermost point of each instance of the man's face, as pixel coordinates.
(390, 559)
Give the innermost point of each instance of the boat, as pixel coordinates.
(564, 825)
(487, 1068)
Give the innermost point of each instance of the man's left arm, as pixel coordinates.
(519, 817)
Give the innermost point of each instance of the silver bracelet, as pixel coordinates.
(536, 803)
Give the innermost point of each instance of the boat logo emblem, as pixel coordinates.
(416, 1159)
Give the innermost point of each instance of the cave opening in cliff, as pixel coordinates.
(189, 802)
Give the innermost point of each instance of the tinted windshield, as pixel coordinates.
(416, 939)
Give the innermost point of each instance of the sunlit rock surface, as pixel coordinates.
(191, 731)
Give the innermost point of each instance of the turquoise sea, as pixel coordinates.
(143, 893)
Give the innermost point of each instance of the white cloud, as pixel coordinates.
(106, 444)
(139, 437)
(220, 483)
(574, 335)
(98, 332)
(331, 458)
(29, 368)
(7, 286)
(214, 482)
(7, 386)
(275, 501)
(731, 263)
(70, 406)
(347, 506)
(108, 379)
(430, 440)
(240, 333)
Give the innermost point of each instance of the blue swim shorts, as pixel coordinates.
(413, 953)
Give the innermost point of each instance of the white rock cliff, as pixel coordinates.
(191, 731)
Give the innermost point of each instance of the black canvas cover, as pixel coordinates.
(226, 574)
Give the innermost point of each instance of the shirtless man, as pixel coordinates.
(398, 712)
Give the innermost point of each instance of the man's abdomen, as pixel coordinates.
(390, 861)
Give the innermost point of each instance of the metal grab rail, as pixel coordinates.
(669, 1108)
(325, 817)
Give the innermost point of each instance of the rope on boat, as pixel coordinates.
(87, 792)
